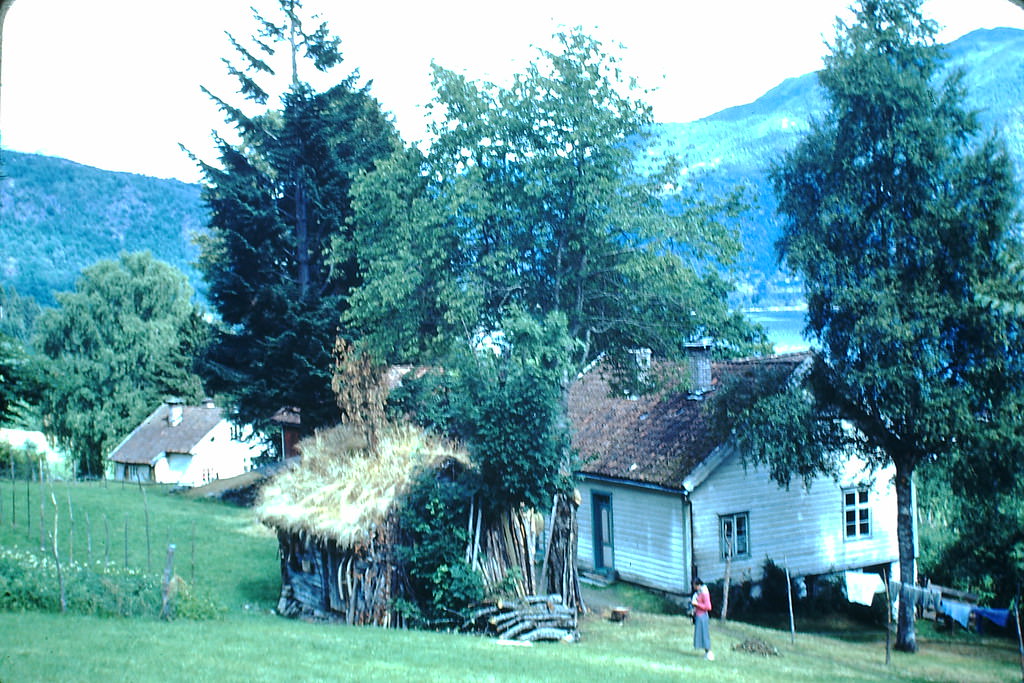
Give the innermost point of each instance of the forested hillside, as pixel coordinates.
(58, 217)
(739, 144)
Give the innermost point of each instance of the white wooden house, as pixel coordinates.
(661, 499)
(185, 445)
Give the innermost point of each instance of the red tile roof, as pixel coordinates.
(155, 436)
(657, 439)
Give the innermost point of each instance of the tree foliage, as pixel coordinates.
(898, 215)
(535, 223)
(19, 381)
(533, 195)
(277, 199)
(503, 401)
(123, 341)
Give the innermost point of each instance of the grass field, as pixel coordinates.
(236, 561)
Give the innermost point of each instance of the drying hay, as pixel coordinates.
(344, 493)
(335, 516)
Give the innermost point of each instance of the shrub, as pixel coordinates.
(29, 582)
(442, 584)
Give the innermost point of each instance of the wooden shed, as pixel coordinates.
(336, 521)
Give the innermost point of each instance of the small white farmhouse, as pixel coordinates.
(185, 445)
(662, 502)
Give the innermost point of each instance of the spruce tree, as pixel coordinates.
(277, 199)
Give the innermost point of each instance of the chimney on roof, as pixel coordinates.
(175, 411)
(699, 354)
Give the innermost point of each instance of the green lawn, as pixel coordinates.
(236, 560)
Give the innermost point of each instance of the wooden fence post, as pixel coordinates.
(42, 510)
(28, 504)
(14, 513)
(71, 528)
(165, 610)
(106, 546)
(145, 505)
(88, 539)
(56, 557)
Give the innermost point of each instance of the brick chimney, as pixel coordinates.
(175, 411)
(699, 354)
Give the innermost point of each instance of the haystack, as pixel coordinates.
(336, 521)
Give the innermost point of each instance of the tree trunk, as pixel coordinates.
(302, 246)
(906, 639)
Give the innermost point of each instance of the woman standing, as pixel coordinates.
(701, 601)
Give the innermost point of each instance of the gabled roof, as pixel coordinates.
(655, 440)
(156, 436)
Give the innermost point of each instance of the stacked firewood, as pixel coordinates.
(534, 617)
(504, 549)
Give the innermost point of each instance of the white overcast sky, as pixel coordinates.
(115, 83)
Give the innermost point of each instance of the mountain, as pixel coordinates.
(738, 145)
(58, 217)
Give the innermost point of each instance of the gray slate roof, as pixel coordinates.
(155, 436)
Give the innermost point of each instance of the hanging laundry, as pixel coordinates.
(996, 616)
(960, 612)
(861, 587)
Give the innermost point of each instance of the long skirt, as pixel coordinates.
(701, 632)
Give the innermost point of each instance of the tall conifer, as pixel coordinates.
(277, 198)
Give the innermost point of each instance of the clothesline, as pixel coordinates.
(861, 588)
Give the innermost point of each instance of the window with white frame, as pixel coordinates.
(735, 535)
(856, 513)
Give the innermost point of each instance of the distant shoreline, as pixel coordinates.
(777, 309)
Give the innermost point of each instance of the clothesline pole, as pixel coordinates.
(888, 615)
(789, 593)
(1020, 641)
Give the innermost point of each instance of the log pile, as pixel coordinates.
(537, 617)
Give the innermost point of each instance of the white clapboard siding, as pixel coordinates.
(800, 528)
(648, 534)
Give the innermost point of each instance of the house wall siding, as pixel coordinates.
(798, 527)
(648, 532)
(220, 457)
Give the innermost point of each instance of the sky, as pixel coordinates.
(116, 83)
